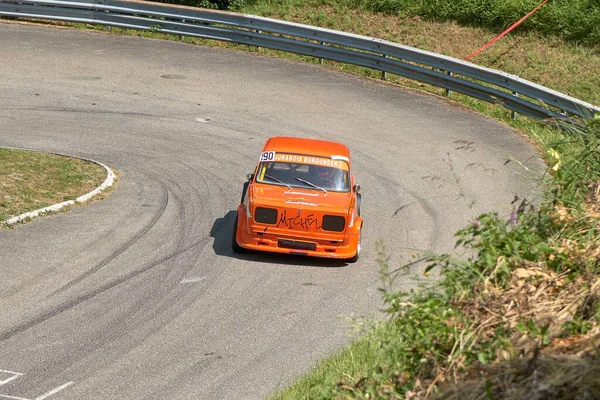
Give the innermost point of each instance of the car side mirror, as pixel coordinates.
(250, 177)
(356, 188)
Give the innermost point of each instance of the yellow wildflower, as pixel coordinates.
(554, 154)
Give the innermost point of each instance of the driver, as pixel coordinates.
(329, 178)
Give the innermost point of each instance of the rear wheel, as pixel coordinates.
(234, 244)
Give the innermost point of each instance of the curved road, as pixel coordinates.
(139, 296)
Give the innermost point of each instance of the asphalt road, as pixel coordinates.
(139, 296)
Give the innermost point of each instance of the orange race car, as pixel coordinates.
(301, 199)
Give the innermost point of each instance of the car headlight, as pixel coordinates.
(334, 223)
(265, 215)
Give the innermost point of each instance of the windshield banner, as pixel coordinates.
(271, 156)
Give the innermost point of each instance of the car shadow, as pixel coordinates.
(222, 231)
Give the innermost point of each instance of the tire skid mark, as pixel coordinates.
(180, 199)
(389, 184)
(434, 234)
(169, 198)
(61, 308)
(109, 343)
(122, 249)
(209, 189)
(87, 111)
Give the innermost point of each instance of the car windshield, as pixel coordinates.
(314, 173)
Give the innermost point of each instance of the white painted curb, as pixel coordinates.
(108, 182)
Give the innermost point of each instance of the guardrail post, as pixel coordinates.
(320, 59)
(513, 114)
(258, 47)
(181, 36)
(383, 73)
(448, 91)
(107, 27)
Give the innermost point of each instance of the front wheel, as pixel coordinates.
(234, 244)
(357, 255)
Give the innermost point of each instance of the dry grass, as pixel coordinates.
(552, 352)
(542, 359)
(536, 377)
(536, 294)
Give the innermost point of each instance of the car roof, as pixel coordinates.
(313, 147)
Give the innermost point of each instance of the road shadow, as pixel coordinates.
(222, 231)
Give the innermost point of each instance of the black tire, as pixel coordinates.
(234, 244)
(358, 203)
(357, 255)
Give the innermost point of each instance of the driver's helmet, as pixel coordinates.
(329, 177)
(326, 174)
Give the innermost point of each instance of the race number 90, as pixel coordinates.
(267, 156)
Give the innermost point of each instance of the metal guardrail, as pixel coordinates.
(510, 91)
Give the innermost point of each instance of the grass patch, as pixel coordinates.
(364, 355)
(31, 180)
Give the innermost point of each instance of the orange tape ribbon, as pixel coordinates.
(510, 28)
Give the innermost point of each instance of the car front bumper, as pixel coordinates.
(298, 243)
